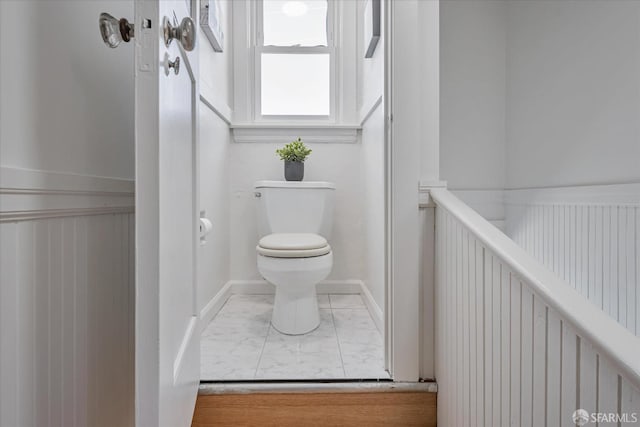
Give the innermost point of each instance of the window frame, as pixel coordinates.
(258, 48)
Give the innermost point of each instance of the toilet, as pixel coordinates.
(294, 223)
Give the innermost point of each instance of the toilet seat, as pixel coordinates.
(305, 253)
(292, 241)
(293, 245)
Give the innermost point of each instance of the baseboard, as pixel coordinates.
(262, 287)
(339, 287)
(251, 287)
(374, 309)
(215, 304)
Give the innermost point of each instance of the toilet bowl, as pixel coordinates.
(294, 268)
(293, 253)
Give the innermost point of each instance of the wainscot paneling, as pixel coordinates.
(506, 357)
(66, 300)
(590, 237)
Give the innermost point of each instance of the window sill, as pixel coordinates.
(310, 133)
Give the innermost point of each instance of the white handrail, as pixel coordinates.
(609, 338)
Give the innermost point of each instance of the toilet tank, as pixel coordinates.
(294, 207)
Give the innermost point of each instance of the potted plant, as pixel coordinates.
(294, 154)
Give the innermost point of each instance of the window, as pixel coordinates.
(294, 59)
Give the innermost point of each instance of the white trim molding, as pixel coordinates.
(598, 195)
(207, 97)
(372, 306)
(310, 133)
(30, 215)
(17, 178)
(367, 110)
(403, 163)
(215, 304)
(30, 194)
(183, 350)
(487, 202)
(223, 113)
(423, 190)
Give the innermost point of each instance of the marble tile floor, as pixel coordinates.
(241, 344)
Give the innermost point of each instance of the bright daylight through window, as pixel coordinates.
(295, 56)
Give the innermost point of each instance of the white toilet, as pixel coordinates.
(294, 223)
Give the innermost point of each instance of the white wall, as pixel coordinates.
(216, 91)
(213, 257)
(557, 83)
(473, 103)
(371, 90)
(338, 163)
(216, 68)
(537, 94)
(374, 205)
(573, 98)
(573, 93)
(370, 70)
(67, 99)
(66, 254)
(428, 37)
(472, 94)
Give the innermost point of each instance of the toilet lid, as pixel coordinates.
(293, 241)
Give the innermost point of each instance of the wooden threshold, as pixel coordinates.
(316, 408)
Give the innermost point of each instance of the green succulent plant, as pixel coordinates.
(295, 151)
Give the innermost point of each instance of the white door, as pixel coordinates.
(167, 338)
